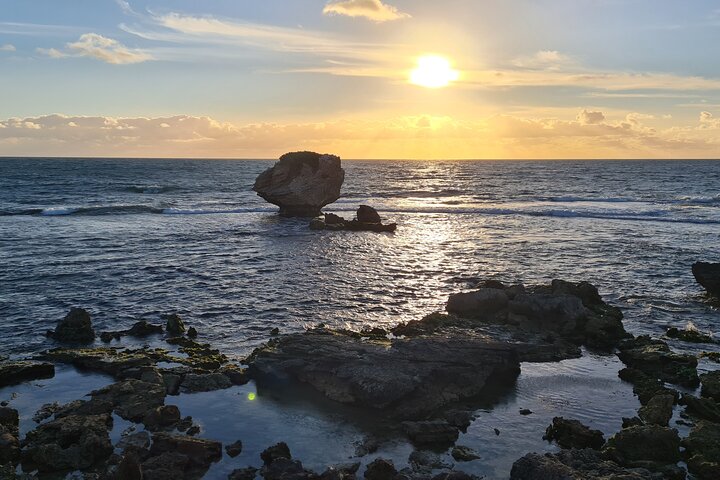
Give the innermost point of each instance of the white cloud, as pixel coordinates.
(7, 48)
(374, 10)
(707, 120)
(100, 48)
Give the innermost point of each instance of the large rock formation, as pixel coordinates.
(708, 275)
(407, 378)
(301, 183)
(575, 311)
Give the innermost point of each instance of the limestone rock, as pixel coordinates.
(301, 183)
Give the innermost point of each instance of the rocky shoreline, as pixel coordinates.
(423, 379)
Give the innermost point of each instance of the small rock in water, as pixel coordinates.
(573, 434)
(367, 214)
(525, 411)
(464, 454)
(497, 432)
(275, 331)
(279, 450)
(175, 324)
(431, 432)
(234, 449)
(691, 335)
(192, 431)
(76, 327)
(192, 332)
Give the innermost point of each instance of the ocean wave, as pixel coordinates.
(701, 200)
(99, 210)
(150, 189)
(572, 199)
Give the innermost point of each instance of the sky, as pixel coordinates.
(256, 78)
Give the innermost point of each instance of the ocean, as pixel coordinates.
(129, 239)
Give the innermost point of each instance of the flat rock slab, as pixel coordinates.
(12, 373)
(407, 378)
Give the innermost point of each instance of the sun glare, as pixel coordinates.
(433, 71)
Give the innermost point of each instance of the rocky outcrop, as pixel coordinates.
(654, 358)
(574, 311)
(301, 183)
(649, 446)
(658, 410)
(132, 399)
(76, 327)
(708, 275)
(140, 329)
(711, 385)
(406, 378)
(9, 433)
(12, 373)
(367, 220)
(174, 324)
(702, 450)
(575, 464)
(431, 433)
(573, 434)
(75, 442)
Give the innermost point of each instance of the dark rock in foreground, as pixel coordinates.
(12, 373)
(9, 442)
(658, 410)
(575, 464)
(407, 378)
(301, 183)
(646, 445)
(76, 327)
(708, 275)
(75, 442)
(573, 434)
(702, 449)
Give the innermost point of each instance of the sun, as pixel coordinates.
(433, 71)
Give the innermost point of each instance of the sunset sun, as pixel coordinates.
(433, 71)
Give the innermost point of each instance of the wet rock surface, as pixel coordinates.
(74, 442)
(708, 275)
(407, 378)
(702, 450)
(658, 410)
(573, 434)
(132, 399)
(9, 432)
(301, 183)
(644, 446)
(574, 311)
(656, 359)
(575, 464)
(14, 372)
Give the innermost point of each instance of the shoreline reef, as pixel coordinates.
(423, 379)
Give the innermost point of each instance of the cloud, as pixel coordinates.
(374, 10)
(586, 117)
(418, 136)
(7, 48)
(544, 59)
(100, 48)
